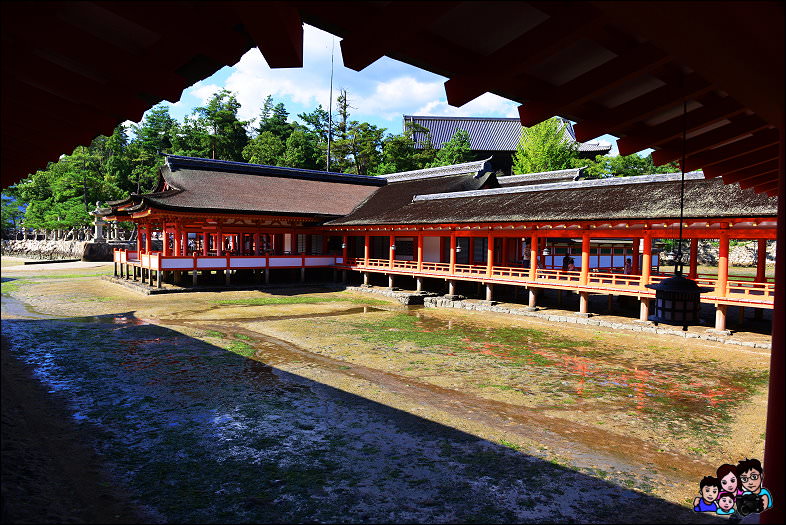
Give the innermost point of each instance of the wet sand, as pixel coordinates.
(296, 338)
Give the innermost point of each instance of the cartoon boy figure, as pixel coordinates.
(708, 493)
(725, 504)
(752, 476)
(727, 475)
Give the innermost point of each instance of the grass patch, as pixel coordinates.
(241, 348)
(10, 286)
(509, 444)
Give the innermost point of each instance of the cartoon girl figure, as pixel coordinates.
(727, 475)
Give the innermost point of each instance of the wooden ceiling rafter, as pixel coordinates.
(749, 160)
(636, 62)
(542, 41)
(359, 49)
(714, 109)
(613, 120)
(738, 126)
(731, 150)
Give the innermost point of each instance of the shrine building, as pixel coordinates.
(460, 223)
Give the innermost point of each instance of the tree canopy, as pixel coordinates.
(128, 161)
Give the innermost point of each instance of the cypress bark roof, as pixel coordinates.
(644, 197)
(205, 185)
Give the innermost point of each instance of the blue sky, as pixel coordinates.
(380, 94)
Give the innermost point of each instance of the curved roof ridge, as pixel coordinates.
(609, 181)
(175, 162)
(440, 171)
(528, 177)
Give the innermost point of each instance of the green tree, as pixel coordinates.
(11, 212)
(623, 166)
(455, 151)
(266, 148)
(402, 152)
(365, 142)
(273, 119)
(543, 148)
(302, 151)
(153, 137)
(317, 122)
(213, 130)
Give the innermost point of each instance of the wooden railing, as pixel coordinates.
(742, 290)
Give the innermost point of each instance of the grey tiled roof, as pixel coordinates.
(488, 134)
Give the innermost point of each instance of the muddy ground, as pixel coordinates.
(306, 404)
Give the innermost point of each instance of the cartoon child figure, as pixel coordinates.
(725, 503)
(727, 475)
(708, 493)
(752, 476)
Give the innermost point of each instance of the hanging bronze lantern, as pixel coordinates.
(677, 299)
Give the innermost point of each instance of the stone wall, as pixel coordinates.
(58, 250)
(740, 255)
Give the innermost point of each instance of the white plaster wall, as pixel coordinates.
(431, 249)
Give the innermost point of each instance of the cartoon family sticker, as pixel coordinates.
(736, 491)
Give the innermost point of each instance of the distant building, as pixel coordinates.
(492, 137)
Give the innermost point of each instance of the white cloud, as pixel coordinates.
(202, 91)
(486, 105)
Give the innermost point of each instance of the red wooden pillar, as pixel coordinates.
(636, 267)
(220, 243)
(533, 256)
(761, 261)
(165, 239)
(585, 258)
(694, 259)
(366, 249)
(723, 264)
(256, 243)
(205, 243)
(452, 252)
(420, 252)
(139, 239)
(646, 260)
(774, 437)
(392, 252)
(344, 248)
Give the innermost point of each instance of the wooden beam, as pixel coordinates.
(612, 120)
(634, 63)
(758, 140)
(743, 162)
(277, 30)
(752, 169)
(387, 28)
(643, 136)
(759, 179)
(733, 35)
(737, 127)
(531, 48)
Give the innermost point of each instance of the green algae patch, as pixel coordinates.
(515, 346)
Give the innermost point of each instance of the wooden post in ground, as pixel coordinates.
(644, 308)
